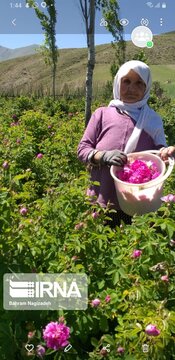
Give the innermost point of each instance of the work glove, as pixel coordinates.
(113, 157)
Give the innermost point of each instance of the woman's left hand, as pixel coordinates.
(166, 152)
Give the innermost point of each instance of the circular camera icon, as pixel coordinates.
(141, 36)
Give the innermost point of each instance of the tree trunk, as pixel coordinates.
(53, 80)
(91, 61)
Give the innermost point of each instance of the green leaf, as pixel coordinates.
(116, 278)
(122, 273)
(170, 230)
(94, 342)
(109, 339)
(104, 324)
(101, 284)
(20, 246)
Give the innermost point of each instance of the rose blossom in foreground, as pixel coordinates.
(152, 330)
(168, 198)
(95, 214)
(14, 123)
(31, 334)
(39, 156)
(5, 165)
(95, 302)
(79, 226)
(90, 192)
(74, 258)
(56, 335)
(104, 352)
(23, 211)
(40, 350)
(165, 278)
(120, 350)
(136, 253)
(107, 298)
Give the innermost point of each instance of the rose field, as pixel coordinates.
(49, 224)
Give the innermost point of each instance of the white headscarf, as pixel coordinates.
(145, 117)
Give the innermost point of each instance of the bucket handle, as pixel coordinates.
(164, 177)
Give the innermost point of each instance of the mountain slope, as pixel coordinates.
(6, 54)
(30, 74)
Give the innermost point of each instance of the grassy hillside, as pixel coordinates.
(30, 74)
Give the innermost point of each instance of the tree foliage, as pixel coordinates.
(48, 23)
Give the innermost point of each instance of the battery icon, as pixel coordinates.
(163, 5)
(67, 348)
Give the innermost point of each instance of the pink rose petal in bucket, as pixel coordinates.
(139, 187)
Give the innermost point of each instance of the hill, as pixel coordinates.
(29, 74)
(6, 53)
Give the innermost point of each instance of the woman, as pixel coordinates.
(127, 125)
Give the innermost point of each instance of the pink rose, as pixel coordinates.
(23, 211)
(95, 302)
(79, 226)
(168, 198)
(39, 156)
(14, 123)
(120, 350)
(31, 334)
(138, 172)
(165, 278)
(108, 298)
(74, 258)
(152, 330)
(5, 165)
(56, 335)
(104, 352)
(136, 253)
(95, 214)
(40, 350)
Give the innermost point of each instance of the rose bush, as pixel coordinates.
(130, 269)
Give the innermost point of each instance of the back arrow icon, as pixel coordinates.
(14, 22)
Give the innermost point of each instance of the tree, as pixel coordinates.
(88, 8)
(111, 14)
(49, 49)
(110, 11)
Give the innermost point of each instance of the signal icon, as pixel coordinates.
(150, 4)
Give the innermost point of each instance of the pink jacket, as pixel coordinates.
(108, 130)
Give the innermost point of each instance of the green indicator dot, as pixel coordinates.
(149, 44)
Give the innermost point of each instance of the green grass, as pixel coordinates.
(165, 74)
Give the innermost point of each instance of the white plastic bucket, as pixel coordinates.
(142, 198)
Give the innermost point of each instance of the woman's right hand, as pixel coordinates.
(112, 157)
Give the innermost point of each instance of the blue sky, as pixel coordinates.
(70, 26)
